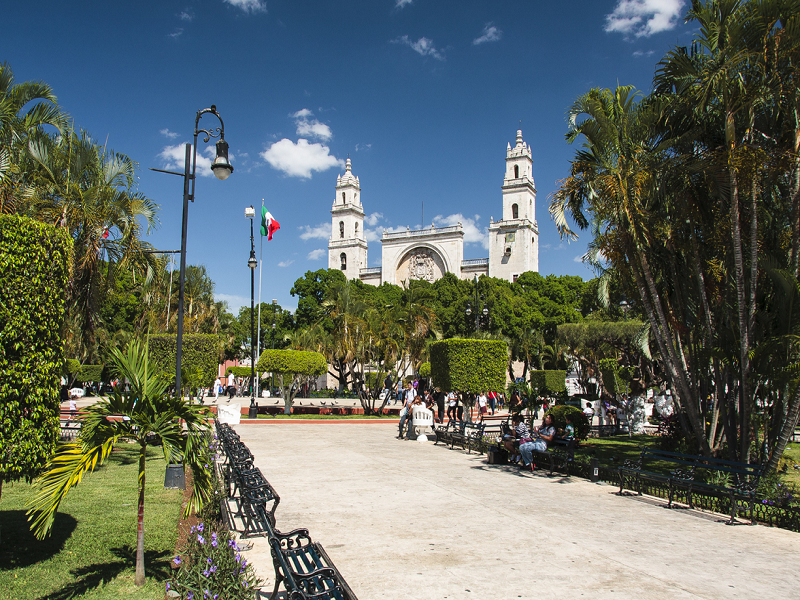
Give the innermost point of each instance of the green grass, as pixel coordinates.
(323, 417)
(792, 457)
(619, 448)
(91, 553)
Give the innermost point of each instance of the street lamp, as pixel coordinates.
(222, 168)
(479, 314)
(626, 306)
(250, 213)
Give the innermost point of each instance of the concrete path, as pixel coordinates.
(405, 520)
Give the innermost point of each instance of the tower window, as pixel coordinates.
(514, 211)
(341, 229)
(356, 229)
(343, 258)
(343, 198)
(516, 173)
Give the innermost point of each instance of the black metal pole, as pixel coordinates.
(272, 376)
(477, 307)
(187, 176)
(253, 412)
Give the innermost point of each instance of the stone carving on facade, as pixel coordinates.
(421, 264)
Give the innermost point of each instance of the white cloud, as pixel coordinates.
(186, 15)
(490, 34)
(363, 147)
(174, 157)
(169, 134)
(234, 302)
(319, 232)
(642, 18)
(402, 3)
(176, 34)
(640, 53)
(579, 258)
(248, 6)
(300, 159)
(423, 46)
(316, 254)
(372, 219)
(473, 232)
(311, 127)
(285, 263)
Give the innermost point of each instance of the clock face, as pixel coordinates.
(510, 237)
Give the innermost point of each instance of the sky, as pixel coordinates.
(422, 95)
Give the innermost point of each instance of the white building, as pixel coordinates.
(430, 253)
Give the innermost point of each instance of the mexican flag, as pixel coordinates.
(268, 223)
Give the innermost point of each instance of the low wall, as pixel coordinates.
(316, 410)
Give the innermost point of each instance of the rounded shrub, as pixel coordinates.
(579, 420)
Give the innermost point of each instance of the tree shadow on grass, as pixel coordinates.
(98, 574)
(21, 549)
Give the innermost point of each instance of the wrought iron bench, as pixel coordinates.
(305, 570)
(471, 435)
(696, 475)
(444, 433)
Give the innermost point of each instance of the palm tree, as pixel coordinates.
(145, 414)
(17, 123)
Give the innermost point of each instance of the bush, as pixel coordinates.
(34, 269)
(88, 373)
(200, 355)
(73, 366)
(549, 383)
(471, 366)
(213, 567)
(579, 420)
(239, 371)
(425, 370)
(292, 362)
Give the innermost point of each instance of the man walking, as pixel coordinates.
(231, 386)
(405, 413)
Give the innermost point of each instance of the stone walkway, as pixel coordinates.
(404, 520)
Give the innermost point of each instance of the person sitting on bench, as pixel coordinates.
(543, 435)
(519, 435)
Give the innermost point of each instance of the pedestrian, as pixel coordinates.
(452, 401)
(231, 386)
(217, 385)
(440, 405)
(482, 405)
(405, 414)
(73, 407)
(460, 407)
(492, 401)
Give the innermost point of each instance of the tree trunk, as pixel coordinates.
(787, 430)
(139, 579)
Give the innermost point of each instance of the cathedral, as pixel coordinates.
(429, 253)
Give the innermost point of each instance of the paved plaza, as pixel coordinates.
(406, 520)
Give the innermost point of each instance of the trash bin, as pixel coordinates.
(595, 467)
(175, 477)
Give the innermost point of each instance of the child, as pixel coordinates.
(569, 430)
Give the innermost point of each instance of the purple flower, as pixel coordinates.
(213, 568)
(238, 557)
(200, 527)
(168, 585)
(214, 540)
(200, 539)
(190, 596)
(206, 573)
(244, 562)
(177, 560)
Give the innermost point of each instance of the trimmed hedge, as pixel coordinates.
(425, 370)
(73, 366)
(239, 371)
(579, 420)
(549, 383)
(88, 373)
(471, 366)
(616, 379)
(200, 352)
(34, 268)
(292, 362)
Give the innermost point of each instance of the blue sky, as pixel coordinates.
(424, 96)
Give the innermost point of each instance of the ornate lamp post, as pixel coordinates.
(480, 315)
(222, 168)
(626, 306)
(250, 213)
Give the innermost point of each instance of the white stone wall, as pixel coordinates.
(446, 246)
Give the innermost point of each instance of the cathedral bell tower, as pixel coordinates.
(514, 240)
(347, 247)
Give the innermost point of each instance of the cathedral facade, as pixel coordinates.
(429, 253)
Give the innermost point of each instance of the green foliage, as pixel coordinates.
(72, 366)
(311, 290)
(616, 379)
(239, 371)
(471, 366)
(34, 269)
(425, 370)
(200, 351)
(87, 373)
(549, 383)
(579, 420)
(292, 362)
(213, 567)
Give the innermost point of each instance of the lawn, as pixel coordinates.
(323, 417)
(91, 552)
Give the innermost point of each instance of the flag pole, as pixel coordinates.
(260, 267)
